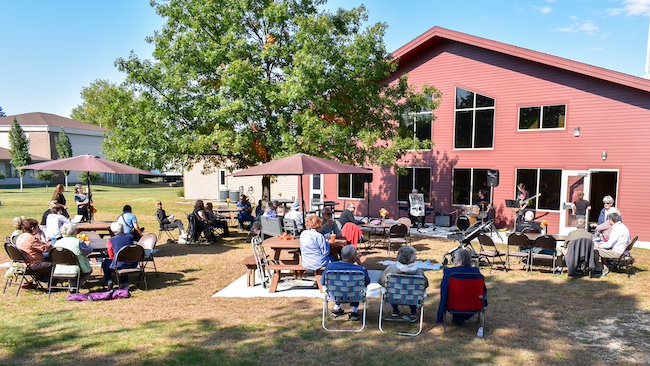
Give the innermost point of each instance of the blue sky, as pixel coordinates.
(51, 49)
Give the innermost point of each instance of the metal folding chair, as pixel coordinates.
(344, 287)
(520, 241)
(489, 250)
(625, 260)
(546, 248)
(148, 242)
(65, 266)
(131, 253)
(397, 234)
(403, 289)
(22, 272)
(261, 259)
(162, 229)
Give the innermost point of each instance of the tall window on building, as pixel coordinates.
(351, 186)
(415, 178)
(474, 126)
(466, 183)
(417, 125)
(222, 177)
(547, 182)
(551, 116)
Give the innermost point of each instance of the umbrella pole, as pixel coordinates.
(302, 197)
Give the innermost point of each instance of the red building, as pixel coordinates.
(557, 125)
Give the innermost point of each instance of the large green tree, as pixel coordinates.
(64, 150)
(19, 149)
(252, 80)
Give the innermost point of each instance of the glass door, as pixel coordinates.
(573, 182)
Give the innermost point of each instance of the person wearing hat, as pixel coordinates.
(245, 209)
(295, 215)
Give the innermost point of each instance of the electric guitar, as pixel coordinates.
(524, 203)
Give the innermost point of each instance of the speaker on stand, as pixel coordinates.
(493, 181)
(367, 179)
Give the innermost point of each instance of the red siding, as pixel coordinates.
(611, 118)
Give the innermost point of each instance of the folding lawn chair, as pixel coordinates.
(403, 289)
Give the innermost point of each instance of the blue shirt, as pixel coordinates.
(314, 249)
(128, 220)
(345, 266)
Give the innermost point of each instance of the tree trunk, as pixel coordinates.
(266, 187)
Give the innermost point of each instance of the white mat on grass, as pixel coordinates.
(289, 288)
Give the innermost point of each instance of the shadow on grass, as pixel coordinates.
(525, 325)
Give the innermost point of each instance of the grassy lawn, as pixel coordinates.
(533, 319)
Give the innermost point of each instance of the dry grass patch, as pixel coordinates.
(533, 319)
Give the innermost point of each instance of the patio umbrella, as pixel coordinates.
(86, 163)
(301, 164)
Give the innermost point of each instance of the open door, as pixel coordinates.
(573, 181)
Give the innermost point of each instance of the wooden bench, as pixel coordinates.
(251, 268)
(291, 266)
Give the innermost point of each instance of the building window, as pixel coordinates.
(546, 182)
(415, 178)
(351, 186)
(552, 116)
(417, 125)
(222, 177)
(466, 183)
(474, 125)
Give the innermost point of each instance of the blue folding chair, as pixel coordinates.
(344, 287)
(404, 289)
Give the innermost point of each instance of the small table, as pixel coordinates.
(374, 228)
(283, 201)
(533, 236)
(95, 226)
(320, 205)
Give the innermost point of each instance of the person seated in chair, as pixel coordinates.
(69, 241)
(617, 242)
(34, 245)
(528, 222)
(579, 233)
(329, 225)
(349, 256)
(214, 221)
(113, 246)
(168, 222)
(269, 211)
(54, 221)
(244, 207)
(295, 215)
(315, 250)
(463, 264)
(405, 264)
(348, 216)
(201, 223)
(130, 223)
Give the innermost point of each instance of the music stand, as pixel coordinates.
(513, 204)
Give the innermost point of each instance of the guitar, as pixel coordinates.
(523, 203)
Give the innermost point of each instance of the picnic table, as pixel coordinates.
(283, 267)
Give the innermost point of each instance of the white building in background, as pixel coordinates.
(42, 129)
(219, 184)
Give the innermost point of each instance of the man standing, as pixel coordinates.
(349, 256)
(615, 245)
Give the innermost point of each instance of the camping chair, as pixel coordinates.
(194, 229)
(21, 270)
(131, 253)
(489, 250)
(544, 248)
(148, 242)
(261, 259)
(397, 234)
(65, 266)
(344, 287)
(162, 229)
(465, 295)
(520, 241)
(625, 260)
(403, 289)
